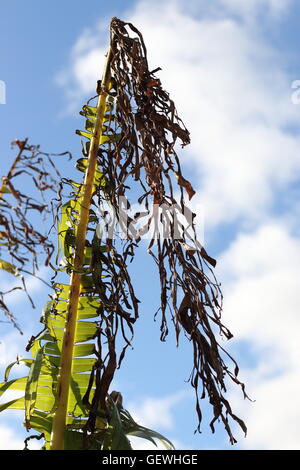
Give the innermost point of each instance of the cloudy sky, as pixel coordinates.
(231, 68)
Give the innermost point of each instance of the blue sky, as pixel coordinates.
(229, 67)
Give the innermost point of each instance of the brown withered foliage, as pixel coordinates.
(144, 158)
(21, 243)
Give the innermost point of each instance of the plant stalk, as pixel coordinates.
(59, 419)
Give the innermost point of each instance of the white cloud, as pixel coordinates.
(8, 439)
(142, 444)
(232, 91)
(86, 62)
(262, 285)
(12, 436)
(12, 346)
(253, 7)
(157, 412)
(273, 419)
(34, 285)
(262, 272)
(11, 395)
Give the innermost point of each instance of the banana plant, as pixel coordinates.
(60, 391)
(130, 135)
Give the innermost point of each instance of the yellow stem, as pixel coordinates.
(59, 420)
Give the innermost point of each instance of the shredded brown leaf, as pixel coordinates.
(145, 159)
(20, 241)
